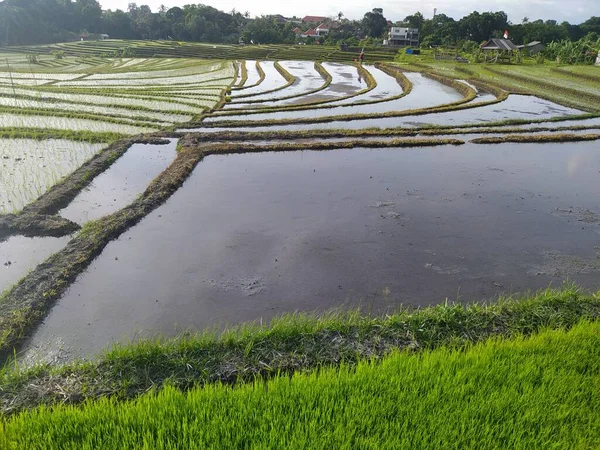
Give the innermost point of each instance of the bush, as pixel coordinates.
(540, 58)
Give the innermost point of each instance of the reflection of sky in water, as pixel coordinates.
(118, 186)
(286, 231)
(19, 255)
(514, 107)
(582, 159)
(425, 93)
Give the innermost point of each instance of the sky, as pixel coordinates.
(573, 11)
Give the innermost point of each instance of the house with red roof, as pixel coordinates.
(310, 33)
(322, 30)
(314, 19)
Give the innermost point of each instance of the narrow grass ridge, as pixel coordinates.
(546, 90)
(581, 76)
(27, 302)
(284, 73)
(292, 343)
(464, 103)
(46, 133)
(563, 137)
(318, 67)
(191, 139)
(229, 148)
(318, 104)
(261, 78)
(537, 392)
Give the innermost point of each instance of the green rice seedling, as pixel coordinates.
(519, 393)
(31, 167)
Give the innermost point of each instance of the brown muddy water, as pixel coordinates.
(251, 236)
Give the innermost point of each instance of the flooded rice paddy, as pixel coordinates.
(251, 236)
(514, 107)
(426, 93)
(28, 168)
(19, 255)
(121, 183)
(255, 235)
(307, 80)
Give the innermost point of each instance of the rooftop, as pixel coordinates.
(314, 19)
(498, 44)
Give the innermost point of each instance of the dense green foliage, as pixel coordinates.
(24, 22)
(477, 27)
(539, 392)
(571, 52)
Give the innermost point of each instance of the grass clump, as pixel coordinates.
(236, 147)
(538, 392)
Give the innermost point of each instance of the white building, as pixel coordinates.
(322, 30)
(402, 37)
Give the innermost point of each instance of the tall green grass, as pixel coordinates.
(540, 392)
(289, 344)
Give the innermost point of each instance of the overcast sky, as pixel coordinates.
(574, 11)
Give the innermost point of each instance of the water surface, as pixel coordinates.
(121, 183)
(19, 255)
(255, 235)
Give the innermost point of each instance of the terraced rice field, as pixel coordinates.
(99, 101)
(246, 220)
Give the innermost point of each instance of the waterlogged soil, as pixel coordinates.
(514, 107)
(118, 186)
(251, 236)
(19, 255)
(387, 86)
(425, 93)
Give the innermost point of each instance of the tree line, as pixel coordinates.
(24, 22)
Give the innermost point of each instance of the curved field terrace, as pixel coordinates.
(149, 196)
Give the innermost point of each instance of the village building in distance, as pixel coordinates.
(402, 37)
